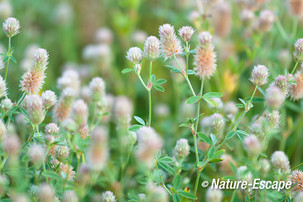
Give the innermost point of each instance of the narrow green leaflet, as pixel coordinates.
(159, 88)
(127, 70)
(204, 138)
(212, 95)
(187, 195)
(193, 99)
(140, 120)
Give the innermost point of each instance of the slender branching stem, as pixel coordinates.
(294, 69)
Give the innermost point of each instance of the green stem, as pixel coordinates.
(294, 69)
(141, 80)
(187, 57)
(9, 57)
(184, 75)
(282, 30)
(149, 96)
(195, 138)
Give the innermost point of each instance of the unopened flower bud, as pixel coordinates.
(186, 33)
(11, 27)
(6, 104)
(280, 161)
(152, 48)
(62, 152)
(259, 75)
(182, 149)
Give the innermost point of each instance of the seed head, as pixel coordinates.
(152, 48)
(280, 161)
(252, 145)
(11, 27)
(205, 59)
(214, 195)
(186, 32)
(134, 55)
(51, 129)
(296, 89)
(266, 20)
(36, 154)
(170, 45)
(97, 89)
(2, 87)
(182, 149)
(49, 98)
(274, 97)
(259, 75)
(149, 143)
(108, 196)
(297, 180)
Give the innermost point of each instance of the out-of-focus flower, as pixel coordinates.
(264, 167)
(36, 154)
(252, 145)
(157, 193)
(259, 75)
(243, 174)
(63, 107)
(230, 108)
(280, 161)
(205, 57)
(49, 98)
(170, 45)
(97, 89)
(247, 16)
(297, 180)
(152, 48)
(69, 79)
(139, 36)
(6, 9)
(222, 19)
(273, 118)
(64, 13)
(298, 53)
(123, 109)
(11, 144)
(182, 148)
(2, 130)
(186, 32)
(299, 197)
(62, 152)
(46, 193)
(70, 196)
(98, 150)
(296, 7)
(2, 87)
(11, 27)
(282, 82)
(34, 106)
(214, 195)
(104, 35)
(225, 163)
(217, 124)
(149, 143)
(162, 110)
(296, 89)
(80, 111)
(108, 196)
(266, 20)
(274, 97)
